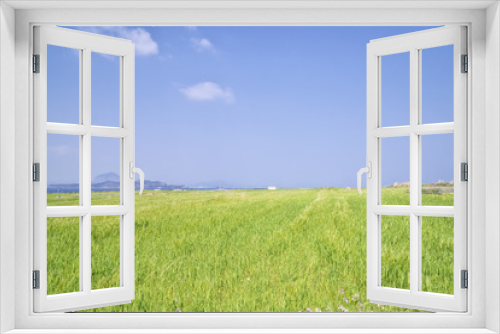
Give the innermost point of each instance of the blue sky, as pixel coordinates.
(252, 106)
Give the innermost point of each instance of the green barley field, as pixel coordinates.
(297, 250)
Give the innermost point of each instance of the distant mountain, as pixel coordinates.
(159, 185)
(113, 177)
(111, 182)
(151, 185)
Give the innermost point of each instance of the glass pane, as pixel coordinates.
(395, 171)
(395, 89)
(105, 250)
(105, 90)
(63, 169)
(63, 255)
(63, 85)
(395, 270)
(437, 84)
(437, 170)
(437, 254)
(105, 171)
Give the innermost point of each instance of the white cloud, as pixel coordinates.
(202, 44)
(208, 91)
(144, 43)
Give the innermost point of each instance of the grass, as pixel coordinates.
(250, 251)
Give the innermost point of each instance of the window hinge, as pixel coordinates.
(36, 63)
(36, 279)
(36, 172)
(464, 167)
(465, 64)
(465, 279)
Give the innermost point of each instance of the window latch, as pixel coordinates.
(132, 171)
(368, 171)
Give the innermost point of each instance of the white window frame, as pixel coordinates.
(484, 149)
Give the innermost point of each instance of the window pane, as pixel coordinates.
(105, 171)
(437, 84)
(105, 249)
(437, 254)
(395, 171)
(63, 170)
(63, 255)
(395, 90)
(395, 270)
(63, 85)
(105, 90)
(437, 170)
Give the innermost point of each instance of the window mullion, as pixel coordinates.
(414, 171)
(418, 118)
(85, 165)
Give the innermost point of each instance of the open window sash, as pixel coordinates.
(414, 43)
(83, 44)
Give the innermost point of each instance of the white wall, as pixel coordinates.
(492, 164)
(7, 160)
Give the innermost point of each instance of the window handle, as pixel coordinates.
(368, 171)
(139, 171)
